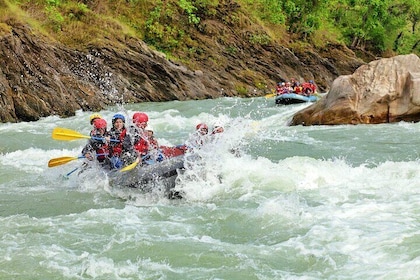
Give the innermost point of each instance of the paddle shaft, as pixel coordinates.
(69, 135)
(71, 172)
(103, 139)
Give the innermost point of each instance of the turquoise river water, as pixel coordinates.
(318, 202)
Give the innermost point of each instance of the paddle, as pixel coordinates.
(272, 94)
(63, 160)
(130, 166)
(66, 134)
(71, 172)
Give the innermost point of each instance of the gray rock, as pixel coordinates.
(383, 91)
(40, 77)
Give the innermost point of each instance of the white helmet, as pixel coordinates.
(217, 124)
(149, 128)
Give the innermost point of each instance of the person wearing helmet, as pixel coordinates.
(279, 88)
(120, 148)
(202, 128)
(308, 88)
(92, 118)
(153, 143)
(117, 132)
(282, 88)
(313, 86)
(293, 82)
(199, 137)
(216, 133)
(98, 146)
(140, 119)
(137, 130)
(288, 88)
(154, 152)
(217, 128)
(298, 88)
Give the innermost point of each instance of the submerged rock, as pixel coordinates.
(383, 91)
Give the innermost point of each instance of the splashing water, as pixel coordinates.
(266, 201)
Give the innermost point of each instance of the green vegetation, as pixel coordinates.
(373, 25)
(382, 27)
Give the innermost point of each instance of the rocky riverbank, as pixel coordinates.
(40, 77)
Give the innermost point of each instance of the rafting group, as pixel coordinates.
(294, 86)
(120, 146)
(123, 148)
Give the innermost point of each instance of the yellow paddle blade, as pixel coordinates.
(130, 166)
(67, 134)
(270, 95)
(60, 161)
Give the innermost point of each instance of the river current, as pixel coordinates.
(317, 202)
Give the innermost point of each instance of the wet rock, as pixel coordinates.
(39, 78)
(383, 91)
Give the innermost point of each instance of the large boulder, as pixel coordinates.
(383, 91)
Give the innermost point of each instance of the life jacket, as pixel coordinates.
(142, 146)
(153, 144)
(313, 88)
(308, 88)
(99, 147)
(284, 90)
(103, 151)
(117, 147)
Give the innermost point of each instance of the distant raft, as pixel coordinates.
(293, 98)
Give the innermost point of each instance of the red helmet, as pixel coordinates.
(140, 117)
(201, 125)
(99, 123)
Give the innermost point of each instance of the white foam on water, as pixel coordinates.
(265, 215)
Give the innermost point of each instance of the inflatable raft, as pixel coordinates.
(293, 98)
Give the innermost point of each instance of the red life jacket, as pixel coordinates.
(103, 151)
(142, 146)
(153, 144)
(117, 148)
(307, 88)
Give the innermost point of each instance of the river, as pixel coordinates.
(318, 202)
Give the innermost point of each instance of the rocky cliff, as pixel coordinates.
(41, 77)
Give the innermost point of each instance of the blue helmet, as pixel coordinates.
(118, 116)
